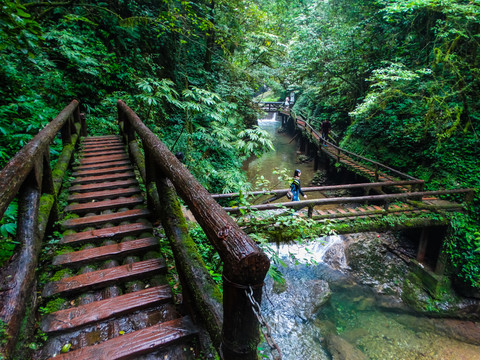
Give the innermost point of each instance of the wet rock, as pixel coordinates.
(303, 159)
(341, 349)
(335, 256)
(372, 264)
(316, 295)
(448, 305)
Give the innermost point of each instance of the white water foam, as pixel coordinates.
(313, 251)
(272, 117)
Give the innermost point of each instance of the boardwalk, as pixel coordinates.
(113, 296)
(368, 168)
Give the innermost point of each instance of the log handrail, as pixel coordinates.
(245, 264)
(17, 169)
(351, 199)
(340, 150)
(419, 183)
(29, 177)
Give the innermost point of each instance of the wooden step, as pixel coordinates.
(136, 343)
(104, 177)
(97, 220)
(105, 309)
(103, 186)
(104, 194)
(97, 206)
(113, 232)
(102, 143)
(103, 171)
(104, 252)
(102, 159)
(102, 165)
(104, 277)
(100, 148)
(101, 139)
(105, 152)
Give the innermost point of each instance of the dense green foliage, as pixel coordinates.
(399, 81)
(178, 64)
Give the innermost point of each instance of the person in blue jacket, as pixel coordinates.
(296, 187)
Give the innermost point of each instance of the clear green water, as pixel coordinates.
(359, 323)
(284, 157)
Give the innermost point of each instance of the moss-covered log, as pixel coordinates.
(205, 295)
(29, 174)
(245, 264)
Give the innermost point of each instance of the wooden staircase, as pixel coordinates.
(111, 288)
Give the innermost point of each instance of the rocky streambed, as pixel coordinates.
(347, 296)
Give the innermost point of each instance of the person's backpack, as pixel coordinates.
(292, 188)
(289, 194)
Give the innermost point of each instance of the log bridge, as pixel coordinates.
(104, 292)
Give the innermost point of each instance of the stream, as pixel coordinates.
(322, 313)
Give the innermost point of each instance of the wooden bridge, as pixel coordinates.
(105, 292)
(271, 106)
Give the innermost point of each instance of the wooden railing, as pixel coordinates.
(271, 106)
(235, 333)
(415, 185)
(386, 199)
(375, 165)
(29, 178)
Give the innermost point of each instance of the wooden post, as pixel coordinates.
(422, 246)
(302, 143)
(80, 117)
(240, 326)
(48, 186)
(66, 133)
(151, 187)
(19, 275)
(376, 172)
(441, 263)
(310, 211)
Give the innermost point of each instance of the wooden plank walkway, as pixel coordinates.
(346, 158)
(114, 299)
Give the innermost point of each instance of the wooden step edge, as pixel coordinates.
(113, 232)
(97, 220)
(105, 252)
(103, 159)
(116, 163)
(104, 205)
(136, 343)
(104, 277)
(105, 152)
(103, 171)
(98, 311)
(100, 140)
(111, 150)
(104, 194)
(101, 178)
(103, 185)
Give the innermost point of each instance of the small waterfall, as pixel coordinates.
(271, 117)
(320, 250)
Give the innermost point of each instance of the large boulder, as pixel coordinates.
(372, 264)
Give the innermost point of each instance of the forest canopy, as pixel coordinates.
(398, 80)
